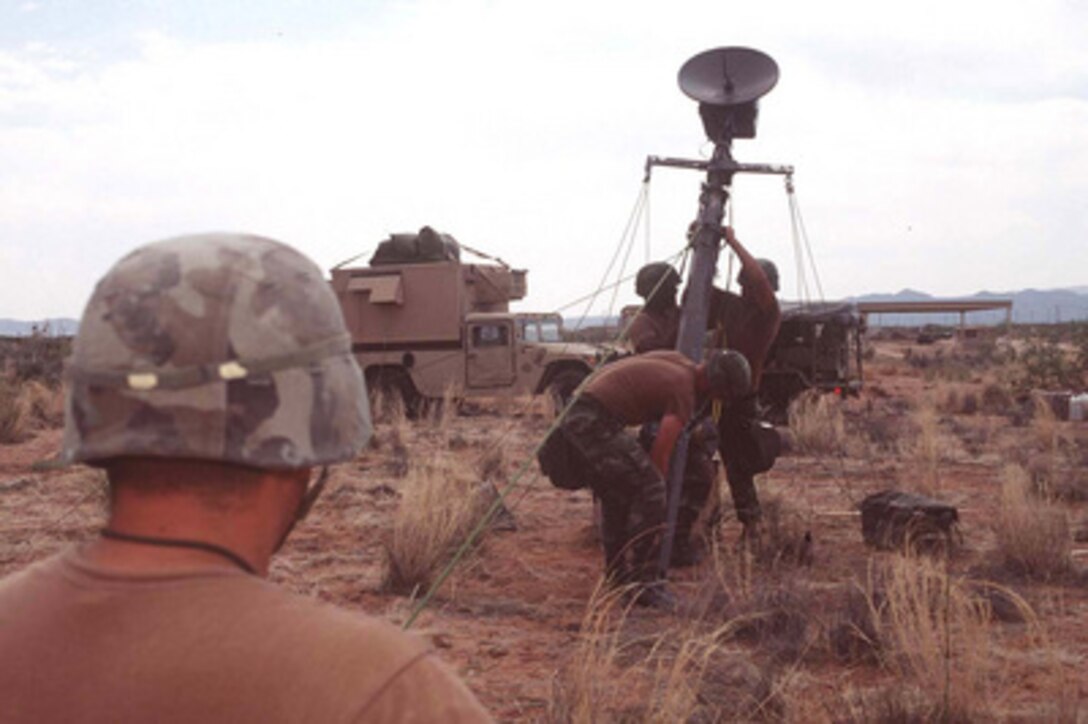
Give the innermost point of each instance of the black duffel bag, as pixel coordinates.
(561, 462)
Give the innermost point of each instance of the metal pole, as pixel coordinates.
(693, 315)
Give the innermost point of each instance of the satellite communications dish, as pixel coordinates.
(728, 76)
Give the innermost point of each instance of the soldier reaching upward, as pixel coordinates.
(210, 375)
(590, 447)
(750, 324)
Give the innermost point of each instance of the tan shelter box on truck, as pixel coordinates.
(424, 324)
(384, 304)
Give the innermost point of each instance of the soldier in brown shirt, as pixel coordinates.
(749, 324)
(657, 323)
(210, 375)
(591, 447)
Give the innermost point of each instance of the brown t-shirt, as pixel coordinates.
(82, 643)
(646, 387)
(651, 330)
(748, 327)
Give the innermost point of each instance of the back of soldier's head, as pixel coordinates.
(219, 347)
(769, 270)
(657, 279)
(728, 374)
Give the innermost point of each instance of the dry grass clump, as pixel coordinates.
(14, 426)
(925, 450)
(935, 632)
(1050, 434)
(959, 400)
(587, 688)
(1033, 535)
(27, 406)
(785, 537)
(617, 672)
(438, 509)
(439, 413)
(996, 399)
(779, 615)
(43, 404)
(817, 424)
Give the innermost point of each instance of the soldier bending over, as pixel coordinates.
(591, 447)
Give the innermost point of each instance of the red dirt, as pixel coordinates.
(510, 617)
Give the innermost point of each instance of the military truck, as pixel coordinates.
(819, 346)
(425, 325)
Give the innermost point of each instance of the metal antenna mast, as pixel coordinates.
(727, 83)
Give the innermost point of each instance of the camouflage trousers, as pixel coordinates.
(631, 491)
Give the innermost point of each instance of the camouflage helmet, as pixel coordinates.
(728, 373)
(769, 269)
(656, 275)
(220, 347)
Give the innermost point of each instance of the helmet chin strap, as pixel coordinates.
(306, 504)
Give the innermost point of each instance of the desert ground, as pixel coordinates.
(987, 624)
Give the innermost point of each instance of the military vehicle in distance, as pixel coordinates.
(819, 346)
(425, 325)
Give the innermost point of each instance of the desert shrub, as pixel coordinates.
(959, 401)
(1046, 365)
(438, 509)
(1033, 535)
(817, 424)
(39, 356)
(996, 398)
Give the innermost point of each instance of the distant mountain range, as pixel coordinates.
(1029, 306)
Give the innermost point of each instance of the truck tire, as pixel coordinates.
(389, 386)
(563, 385)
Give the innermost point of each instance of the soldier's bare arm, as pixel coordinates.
(762, 293)
(671, 426)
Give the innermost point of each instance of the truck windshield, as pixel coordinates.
(535, 330)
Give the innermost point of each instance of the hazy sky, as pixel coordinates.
(941, 146)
